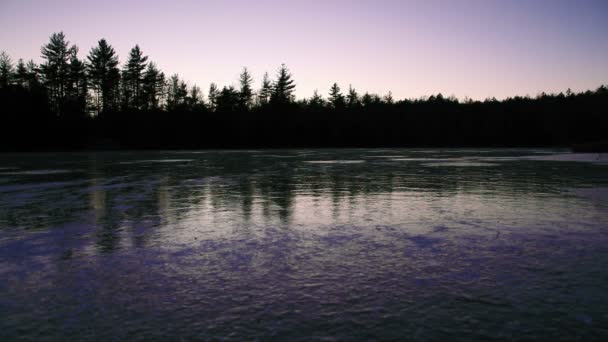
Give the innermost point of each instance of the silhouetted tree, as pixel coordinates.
(213, 94)
(316, 102)
(283, 88)
(153, 85)
(33, 78)
(569, 92)
(245, 91)
(265, 91)
(104, 76)
(133, 78)
(367, 99)
(6, 70)
(177, 91)
(55, 70)
(21, 77)
(194, 100)
(371, 100)
(77, 90)
(352, 99)
(46, 108)
(388, 99)
(228, 100)
(336, 99)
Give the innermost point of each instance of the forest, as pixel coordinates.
(68, 103)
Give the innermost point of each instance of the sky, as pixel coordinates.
(466, 48)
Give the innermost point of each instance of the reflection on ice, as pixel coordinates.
(156, 161)
(599, 195)
(335, 161)
(386, 156)
(239, 246)
(426, 159)
(573, 157)
(460, 164)
(274, 156)
(35, 172)
(598, 158)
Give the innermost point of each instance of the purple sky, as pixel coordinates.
(475, 48)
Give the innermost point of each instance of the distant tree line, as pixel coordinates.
(72, 103)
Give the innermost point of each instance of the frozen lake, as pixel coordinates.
(304, 244)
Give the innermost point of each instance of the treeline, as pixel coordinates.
(95, 103)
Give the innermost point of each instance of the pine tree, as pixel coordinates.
(367, 99)
(388, 99)
(21, 77)
(153, 86)
(228, 100)
(282, 92)
(77, 87)
(33, 79)
(246, 92)
(104, 76)
(194, 100)
(316, 102)
(55, 69)
(177, 91)
(133, 78)
(213, 94)
(6, 70)
(336, 99)
(352, 99)
(266, 91)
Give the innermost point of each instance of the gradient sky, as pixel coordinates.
(474, 48)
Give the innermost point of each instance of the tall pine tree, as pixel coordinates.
(6, 70)
(246, 92)
(21, 74)
(177, 91)
(33, 77)
(153, 87)
(104, 76)
(352, 99)
(77, 87)
(213, 94)
(336, 99)
(133, 78)
(228, 100)
(56, 69)
(266, 91)
(316, 102)
(282, 92)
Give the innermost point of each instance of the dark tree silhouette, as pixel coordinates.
(316, 102)
(104, 77)
(388, 99)
(20, 76)
(153, 86)
(57, 105)
(33, 78)
(194, 101)
(213, 94)
(246, 92)
(177, 91)
(336, 99)
(56, 69)
(352, 99)
(6, 69)
(228, 100)
(77, 91)
(283, 88)
(133, 79)
(265, 91)
(370, 99)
